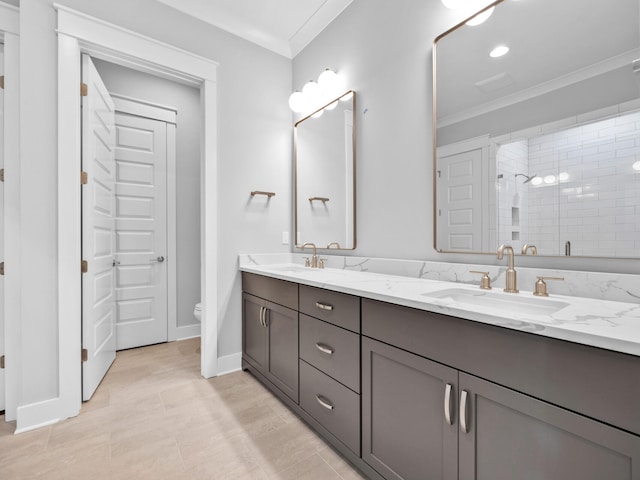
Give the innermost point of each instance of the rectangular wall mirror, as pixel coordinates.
(324, 156)
(540, 145)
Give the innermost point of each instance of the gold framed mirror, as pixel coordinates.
(325, 182)
(541, 145)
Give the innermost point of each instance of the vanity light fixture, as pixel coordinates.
(316, 94)
(468, 7)
(499, 51)
(536, 181)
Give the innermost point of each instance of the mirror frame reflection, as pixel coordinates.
(558, 115)
(349, 97)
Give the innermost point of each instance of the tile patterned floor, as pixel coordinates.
(155, 417)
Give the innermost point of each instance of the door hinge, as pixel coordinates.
(1, 174)
(84, 266)
(2, 361)
(84, 178)
(2, 82)
(84, 90)
(1, 268)
(85, 355)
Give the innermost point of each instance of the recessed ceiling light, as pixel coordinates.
(499, 51)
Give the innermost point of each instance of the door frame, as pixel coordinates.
(10, 34)
(79, 33)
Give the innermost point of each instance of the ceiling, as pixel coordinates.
(283, 26)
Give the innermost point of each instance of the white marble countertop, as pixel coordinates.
(605, 324)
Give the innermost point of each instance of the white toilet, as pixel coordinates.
(197, 312)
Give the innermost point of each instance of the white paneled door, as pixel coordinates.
(141, 231)
(460, 202)
(98, 230)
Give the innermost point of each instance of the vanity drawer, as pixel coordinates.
(332, 404)
(331, 349)
(337, 308)
(273, 289)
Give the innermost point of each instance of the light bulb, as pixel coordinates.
(318, 114)
(549, 179)
(563, 177)
(536, 181)
(636, 166)
(296, 102)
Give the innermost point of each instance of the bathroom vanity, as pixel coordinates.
(408, 382)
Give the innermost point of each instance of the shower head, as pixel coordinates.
(527, 177)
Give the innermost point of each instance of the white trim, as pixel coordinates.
(9, 19)
(12, 245)
(190, 331)
(39, 414)
(81, 33)
(125, 47)
(142, 108)
(230, 363)
(172, 235)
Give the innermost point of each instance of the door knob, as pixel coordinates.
(160, 259)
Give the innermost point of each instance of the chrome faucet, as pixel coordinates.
(314, 258)
(528, 246)
(511, 283)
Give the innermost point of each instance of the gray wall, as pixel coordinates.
(186, 100)
(254, 152)
(383, 49)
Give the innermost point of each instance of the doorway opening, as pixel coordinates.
(150, 280)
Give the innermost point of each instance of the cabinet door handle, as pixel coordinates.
(265, 322)
(324, 348)
(463, 411)
(448, 407)
(263, 310)
(324, 306)
(324, 402)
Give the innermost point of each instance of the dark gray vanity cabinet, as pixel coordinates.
(409, 419)
(424, 416)
(270, 331)
(505, 432)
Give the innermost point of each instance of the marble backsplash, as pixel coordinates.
(597, 285)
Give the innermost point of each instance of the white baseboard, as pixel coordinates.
(37, 415)
(229, 363)
(188, 331)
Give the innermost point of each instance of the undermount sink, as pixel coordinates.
(510, 303)
(292, 268)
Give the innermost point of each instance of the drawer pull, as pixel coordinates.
(324, 306)
(324, 402)
(463, 411)
(447, 403)
(324, 348)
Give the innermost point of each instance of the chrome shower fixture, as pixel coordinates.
(528, 178)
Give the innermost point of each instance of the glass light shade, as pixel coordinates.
(318, 114)
(297, 102)
(549, 179)
(636, 166)
(481, 17)
(328, 80)
(311, 90)
(563, 177)
(331, 106)
(536, 181)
